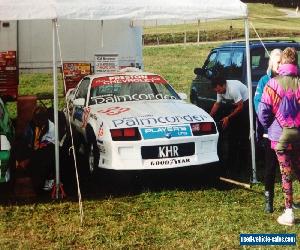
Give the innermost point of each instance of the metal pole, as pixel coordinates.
(198, 36)
(102, 34)
(55, 94)
(249, 82)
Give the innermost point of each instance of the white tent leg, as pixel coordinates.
(249, 81)
(55, 94)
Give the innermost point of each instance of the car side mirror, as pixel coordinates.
(182, 96)
(79, 102)
(199, 71)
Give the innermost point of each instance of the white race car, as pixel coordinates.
(136, 121)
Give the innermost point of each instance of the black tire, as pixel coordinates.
(92, 151)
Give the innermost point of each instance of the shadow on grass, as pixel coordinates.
(110, 183)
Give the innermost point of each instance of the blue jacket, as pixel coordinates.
(256, 100)
(259, 90)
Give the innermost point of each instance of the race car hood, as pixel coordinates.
(149, 113)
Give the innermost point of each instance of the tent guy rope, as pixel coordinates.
(71, 132)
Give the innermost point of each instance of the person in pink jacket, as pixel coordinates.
(279, 112)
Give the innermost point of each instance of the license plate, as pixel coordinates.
(168, 151)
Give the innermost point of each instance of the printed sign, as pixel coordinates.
(9, 77)
(166, 132)
(74, 72)
(127, 79)
(106, 63)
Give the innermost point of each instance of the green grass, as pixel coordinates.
(268, 21)
(202, 218)
(176, 63)
(199, 219)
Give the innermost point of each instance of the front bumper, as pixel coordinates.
(124, 155)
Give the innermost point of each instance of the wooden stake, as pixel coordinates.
(244, 185)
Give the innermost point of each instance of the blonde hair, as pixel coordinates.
(289, 56)
(274, 53)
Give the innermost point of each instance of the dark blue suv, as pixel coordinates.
(230, 59)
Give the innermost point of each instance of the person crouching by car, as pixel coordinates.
(39, 138)
(235, 122)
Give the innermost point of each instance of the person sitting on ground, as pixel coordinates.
(39, 138)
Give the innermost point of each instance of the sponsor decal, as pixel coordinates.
(170, 162)
(113, 110)
(160, 120)
(127, 79)
(134, 97)
(166, 132)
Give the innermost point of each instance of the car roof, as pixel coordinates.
(258, 44)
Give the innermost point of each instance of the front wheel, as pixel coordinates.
(92, 152)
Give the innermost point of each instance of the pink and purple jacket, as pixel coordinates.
(280, 103)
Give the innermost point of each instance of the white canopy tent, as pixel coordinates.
(117, 9)
(138, 11)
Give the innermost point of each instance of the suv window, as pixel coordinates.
(211, 61)
(230, 63)
(259, 63)
(224, 58)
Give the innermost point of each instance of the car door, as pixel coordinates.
(201, 93)
(80, 110)
(218, 62)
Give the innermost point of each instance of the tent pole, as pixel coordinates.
(198, 36)
(249, 81)
(57, 181)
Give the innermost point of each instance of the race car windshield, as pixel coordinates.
(124, 92)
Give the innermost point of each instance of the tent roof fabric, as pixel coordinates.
(135, 10)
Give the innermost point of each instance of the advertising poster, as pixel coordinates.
(106, 63)
(74, 72)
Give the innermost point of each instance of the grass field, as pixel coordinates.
(268, 21)
(183, 215)
(175, 210)
(204, 217)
